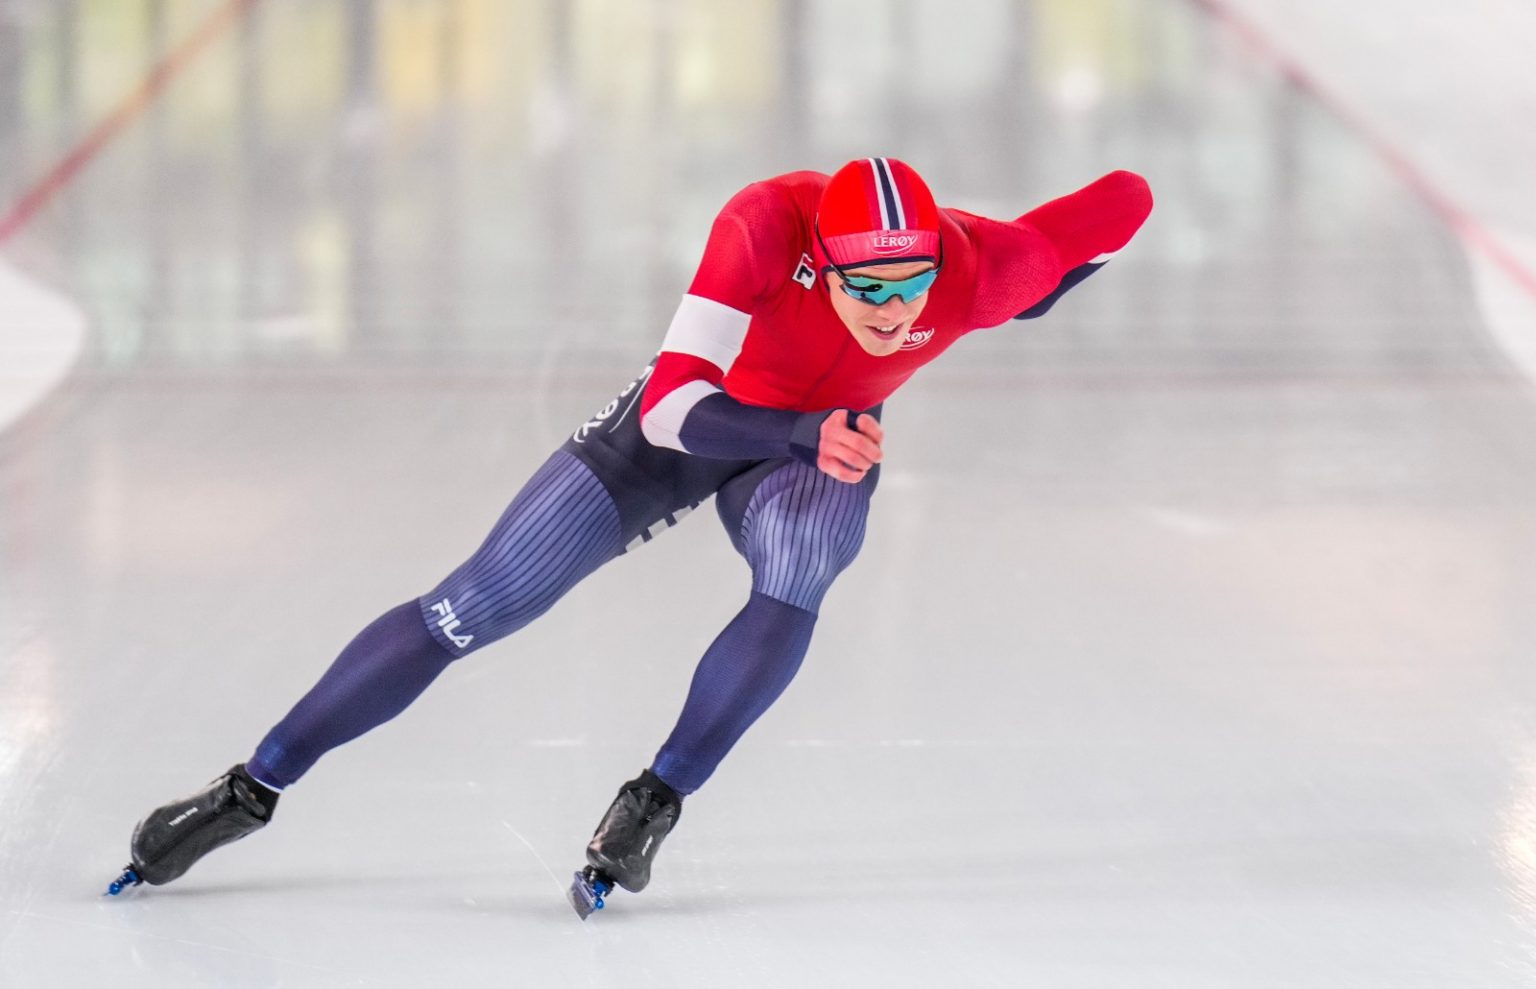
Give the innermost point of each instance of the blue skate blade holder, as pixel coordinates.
(586, 894)
(130, 877)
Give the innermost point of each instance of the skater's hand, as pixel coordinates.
(848, 454)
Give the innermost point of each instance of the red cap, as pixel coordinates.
(877, 211)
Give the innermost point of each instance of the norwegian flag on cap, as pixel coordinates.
(877, 211)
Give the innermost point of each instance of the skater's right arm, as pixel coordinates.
(684, 406)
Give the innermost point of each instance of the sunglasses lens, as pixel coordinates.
(873, 294)
(876, 292)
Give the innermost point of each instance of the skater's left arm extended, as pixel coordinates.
(1028, 264)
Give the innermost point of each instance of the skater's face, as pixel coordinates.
(879, 329)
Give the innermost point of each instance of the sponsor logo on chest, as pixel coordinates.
(917, 337)
(805, 272)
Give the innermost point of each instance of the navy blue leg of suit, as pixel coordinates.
(561, 526)
(798, 530)
(796, 527)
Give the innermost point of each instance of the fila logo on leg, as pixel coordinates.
(449, 621)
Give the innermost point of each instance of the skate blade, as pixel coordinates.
(128, 879)
(586, 894)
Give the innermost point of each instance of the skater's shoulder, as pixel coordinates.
(801, 184)
(787, 201)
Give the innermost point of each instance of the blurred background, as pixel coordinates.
(1211, 666)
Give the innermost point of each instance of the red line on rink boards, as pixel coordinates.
(110, 126)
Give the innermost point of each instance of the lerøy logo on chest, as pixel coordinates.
(917, 337)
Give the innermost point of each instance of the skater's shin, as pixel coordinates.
(376, 677)
(741, 675)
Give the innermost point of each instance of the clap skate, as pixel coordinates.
(171, 839)
(626, 842)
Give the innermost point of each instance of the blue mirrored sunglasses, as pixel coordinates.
(876, 291)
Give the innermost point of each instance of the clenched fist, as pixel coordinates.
(845, 453)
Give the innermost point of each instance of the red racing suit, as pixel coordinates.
(756, 356)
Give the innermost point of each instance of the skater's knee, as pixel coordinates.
(559, 528)
(797, 547)
(800, 579)
(468, 615)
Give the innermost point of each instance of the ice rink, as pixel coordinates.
(1192, 641)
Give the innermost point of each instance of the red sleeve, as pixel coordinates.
(1096, 219)
(1021, 262)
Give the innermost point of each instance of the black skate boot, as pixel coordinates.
(167, 842)
(626, 841)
